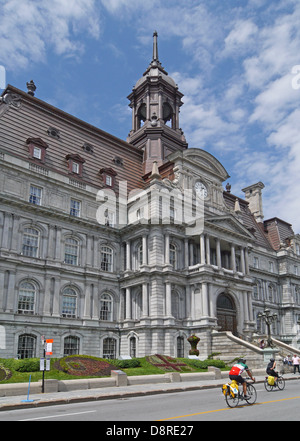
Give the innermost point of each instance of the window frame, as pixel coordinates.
(34, 198)
(67, 309)
(76, 212)
(106, 265)
(27, 246)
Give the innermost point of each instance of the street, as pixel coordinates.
(173, 408)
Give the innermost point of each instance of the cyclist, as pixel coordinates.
(271, 369)
(236, 374)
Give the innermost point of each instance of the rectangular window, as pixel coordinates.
(30, 242)
(71, 252)
(75, 208)
(35, 196)
(69, 306)
(37, 152)
(75, 167)
(108, 180)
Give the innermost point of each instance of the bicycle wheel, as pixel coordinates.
(230, 400)
(268, 387)
(251, 393)
(280, 383)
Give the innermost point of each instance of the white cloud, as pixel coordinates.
(29, 27)
(241, 37)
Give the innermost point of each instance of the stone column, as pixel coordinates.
(145, 260)
(207, 250)
(128, 304)
(145, 300)
(233, 263)
(202, 249)
(128, 265)
(168, 300)
(218, 252)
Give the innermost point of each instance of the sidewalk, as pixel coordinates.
(116, 392)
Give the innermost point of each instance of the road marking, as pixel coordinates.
(58, 416)
(228, 408)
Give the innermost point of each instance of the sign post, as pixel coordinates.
(47, 350)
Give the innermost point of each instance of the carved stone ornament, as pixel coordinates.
(11, 99)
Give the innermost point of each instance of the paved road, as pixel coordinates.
(178, 408)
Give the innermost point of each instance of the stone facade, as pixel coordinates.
(123, 249)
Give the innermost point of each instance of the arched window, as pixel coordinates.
(69, 303)
(106, 307)
(71, 345)
(26, 298)
(167, 113)
(27, 346)
(180, 347)
(109, 348)
(132, 347)
(30, 244)
(141, 115)
(106, 259)
(71, 251)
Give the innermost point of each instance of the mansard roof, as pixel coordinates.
(278, 232)
(24, 117)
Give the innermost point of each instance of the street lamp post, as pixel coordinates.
(269, 319)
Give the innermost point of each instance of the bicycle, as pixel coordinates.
(233, 395)
(279, 383)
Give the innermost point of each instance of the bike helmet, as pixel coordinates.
(272, 359)
(242, 360)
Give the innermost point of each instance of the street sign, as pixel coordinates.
(48, 349)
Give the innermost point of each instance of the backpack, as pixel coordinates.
(271, 380)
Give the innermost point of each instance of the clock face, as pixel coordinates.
(201, 190)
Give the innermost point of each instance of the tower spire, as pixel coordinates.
(155, 47)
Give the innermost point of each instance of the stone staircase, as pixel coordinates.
(230, 348)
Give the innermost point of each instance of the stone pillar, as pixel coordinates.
(168, 300)
(128, 256)
(202, 249)
(128, 304)
(145, 300)
(233, 263)
(167, 249)
(218, 252)
(145, 253)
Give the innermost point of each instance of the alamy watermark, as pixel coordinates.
(2, 77)
(156, 205)
(296, 79)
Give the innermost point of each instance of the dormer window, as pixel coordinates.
(75, 164)
(108, 176)
(37, 148)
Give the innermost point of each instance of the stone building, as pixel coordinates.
(125, 248)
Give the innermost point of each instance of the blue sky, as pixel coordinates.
(236, 61)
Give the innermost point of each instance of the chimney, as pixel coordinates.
(253, 195)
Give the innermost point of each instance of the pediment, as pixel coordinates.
(206, 161)
(194, 158)
(230, 225)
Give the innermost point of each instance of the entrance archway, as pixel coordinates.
(226, 313)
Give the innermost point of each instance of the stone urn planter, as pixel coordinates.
(193, 341)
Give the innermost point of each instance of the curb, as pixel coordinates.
(114, 395)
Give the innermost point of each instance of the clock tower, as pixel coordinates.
(155, 102)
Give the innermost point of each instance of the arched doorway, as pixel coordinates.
(226, 313)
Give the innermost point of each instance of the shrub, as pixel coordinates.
(26, 365)
(125, 364)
